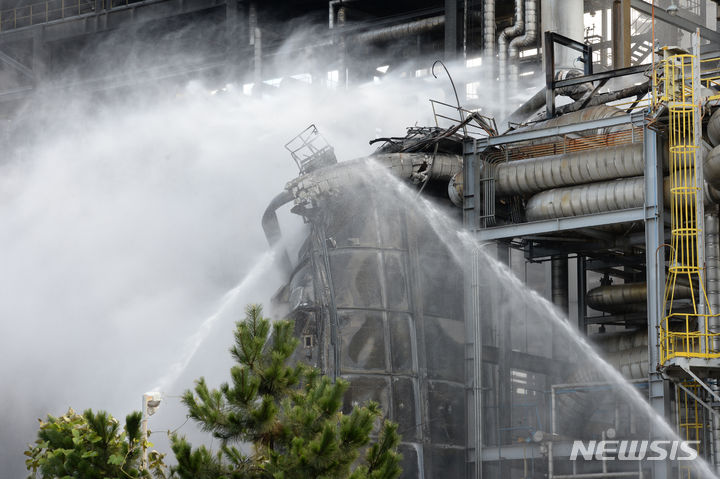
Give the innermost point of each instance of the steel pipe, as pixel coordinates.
(538, 174)
(598, 198)
(586, 199)
(711, 166)
(489, 28)
(410, 166)
(619, 298)
(712, 264)
(527, 39)
(505, 36)
(403, 30)
(271, 227)
(626, 352)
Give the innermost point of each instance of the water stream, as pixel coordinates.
(517, 298)
(230, 299)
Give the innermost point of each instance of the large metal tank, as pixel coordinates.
(377, 301)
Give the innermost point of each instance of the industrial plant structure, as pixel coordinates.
(604, 184)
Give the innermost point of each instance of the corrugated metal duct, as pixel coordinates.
(414, 166)
(630, 297)
(538, 174)
(627, 352)
(611, 195)
(586, 199)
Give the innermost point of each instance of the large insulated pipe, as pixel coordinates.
(599, 197)
(711, 170)
(586, 199)
(411, 166)
(538, 174)
(711, 166)
(628, 297)
(587, 114)
(528, 38)
(713, 128)
(506, 35)
(712, 277)
(398, 31)
(712, 265)
(626, 352)
(271, 227)
(489, 27)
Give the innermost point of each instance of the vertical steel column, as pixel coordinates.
(451, 30)
(621, 33)
(473, 325)
(39, 55)
(232, 35)
(549, 60)
(655, 277)
(472, 167)
(473, 361)
(700, 157)
(712, 277)
(504, 380)
(559, 282)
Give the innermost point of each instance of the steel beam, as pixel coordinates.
(607, 75)
(8, 60)
(451, 24)
(527, 362)
(675, 20)
(563, 224)
(525, 451)
(655, 277)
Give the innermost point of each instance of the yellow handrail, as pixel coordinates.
(684, 334)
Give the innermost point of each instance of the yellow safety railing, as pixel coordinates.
(681, 335)
(684, 334)
(689, 420)
(52, 10)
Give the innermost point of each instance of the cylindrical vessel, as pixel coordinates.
(383, 308)
(566, 18)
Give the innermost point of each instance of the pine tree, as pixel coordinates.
(289, 413)
(89, 446)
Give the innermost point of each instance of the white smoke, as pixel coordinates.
(125, 222)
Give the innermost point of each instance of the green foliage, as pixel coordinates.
(87, 446)
(289, 413)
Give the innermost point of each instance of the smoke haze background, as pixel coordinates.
(126, 220)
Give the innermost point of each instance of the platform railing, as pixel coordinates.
(52, 10)
(683, 335)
